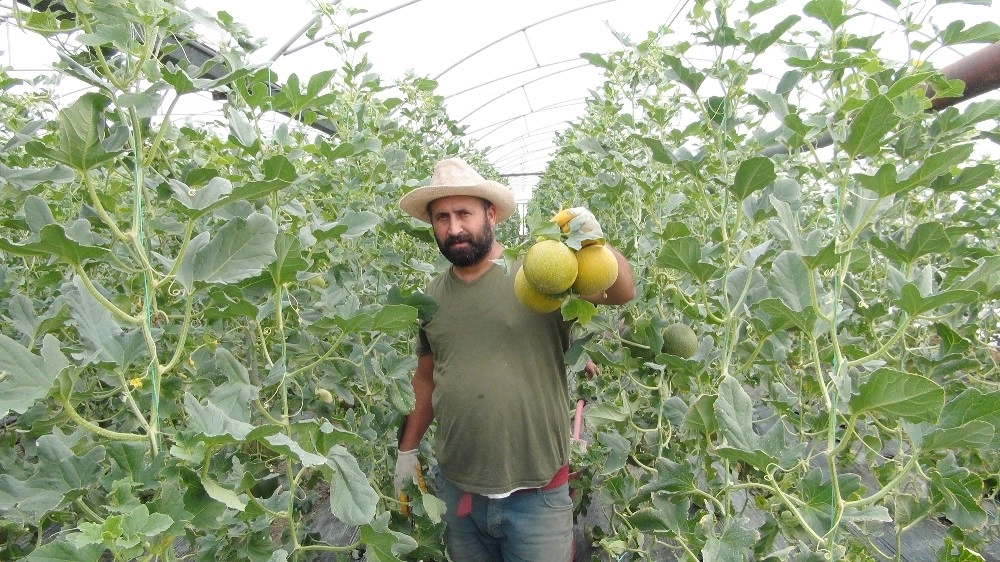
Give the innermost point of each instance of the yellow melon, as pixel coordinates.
(529, 297)
(550, 266)
(597, 269)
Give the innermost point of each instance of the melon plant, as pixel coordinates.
(205, 335)
(833, 240)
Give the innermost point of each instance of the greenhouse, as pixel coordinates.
(735, 278)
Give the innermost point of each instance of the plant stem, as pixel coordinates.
(98, 430)
(117, 312)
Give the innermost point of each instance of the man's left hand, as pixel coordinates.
(580, 221)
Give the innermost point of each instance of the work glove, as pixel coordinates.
(407, 470)
(579, 222)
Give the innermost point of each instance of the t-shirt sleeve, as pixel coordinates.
(423, 345)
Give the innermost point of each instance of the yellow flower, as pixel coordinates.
(135, 382)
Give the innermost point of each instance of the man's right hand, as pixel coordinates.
(407, 470)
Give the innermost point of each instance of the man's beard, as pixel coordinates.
(479, 246)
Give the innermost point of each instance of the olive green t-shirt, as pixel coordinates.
(500, 393)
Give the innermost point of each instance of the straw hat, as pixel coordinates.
(453, 176)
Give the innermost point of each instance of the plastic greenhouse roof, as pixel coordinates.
(510, 71)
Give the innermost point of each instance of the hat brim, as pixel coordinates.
(415, 202)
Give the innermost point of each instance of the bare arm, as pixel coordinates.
(420, 418)
(623, 289)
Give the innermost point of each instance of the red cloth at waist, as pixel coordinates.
(561, 477)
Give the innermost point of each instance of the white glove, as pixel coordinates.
(579, 220)
(407, 470)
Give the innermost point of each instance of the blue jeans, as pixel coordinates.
(530, 526)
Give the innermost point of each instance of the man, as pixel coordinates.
(492, 373)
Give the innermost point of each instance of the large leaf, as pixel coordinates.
(973, 405)
(914, 303)
(211, 422)
(234, 395)
(61, 550)
(352, 498)
(102, 334)
(60, 469)
(289, 261)
(53, 240)
(875, 119)
(279, 173)
(199, 199)
(242, 248)
(960, 489)
(734, 542)
(911, 397)
(684, 254)
(382, 544)
(28, 178)
(792, 282)
(830, 12)
(81, 136)
(25, 377)
(753, 175)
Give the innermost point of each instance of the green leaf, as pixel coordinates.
(700, 417)
(685, 73)
(53, 241)
(242, 248)
(915, 304)
(830, 12)
(578, 309)
(973, 405)
(25, 377)
(935, 165)
(601, 414)
(967, 179)
(912, 397)
(198, 199)
(734, 412)
(146, 104)
(761, 42)
(383, 544)
(684, 254)
(141, 522)
(102, 334)
(234, 395)
(961, 490)
(590, 145)
(735, 542)
(289, 261)
(973, 435)
(62, 471)
(60, 550)
(282, 443)
(29, 178)
(753, 175)
(210, 421)
(223, 495)
(983, 32)
(597, 60)
(240, 127)
(358, 223)
(37, 213)
(393, 318)
(875, 119)
(352, 499)
(81, 135)
(279, 173)
(658, 151)
(793, 282)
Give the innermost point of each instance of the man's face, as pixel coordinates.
(463, 228)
